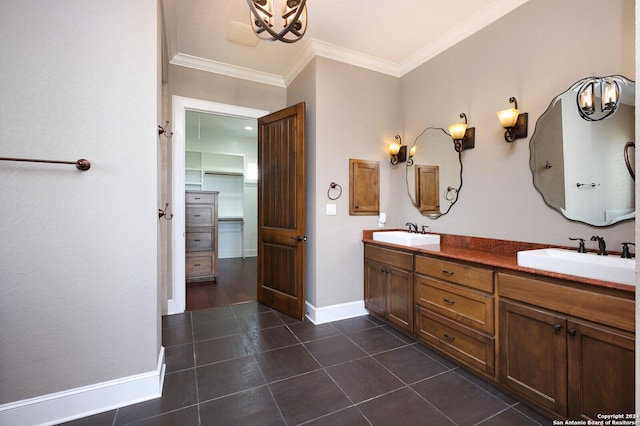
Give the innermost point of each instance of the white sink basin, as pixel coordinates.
(588, 265)
(405, 238)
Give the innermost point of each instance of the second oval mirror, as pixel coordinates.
(435, 178)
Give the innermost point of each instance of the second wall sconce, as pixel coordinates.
(514, 123)
(463, 137)
(399, 152)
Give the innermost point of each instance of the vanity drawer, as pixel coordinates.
(474, 349)
(399, 259)
(559, 296)
(199, 239)
(470, 276)
(199, 265)
(471, 308)
(199, 216)
(198, 197)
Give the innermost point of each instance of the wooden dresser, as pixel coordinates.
(201, 235)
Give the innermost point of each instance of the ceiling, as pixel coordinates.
(388, 36)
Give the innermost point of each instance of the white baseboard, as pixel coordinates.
(85, 401)
(335, 312)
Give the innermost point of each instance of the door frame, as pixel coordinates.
(180, 105)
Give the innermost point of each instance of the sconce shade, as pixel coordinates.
(515, 124)
(463, 137)
(412, 151)
(508, 117)
(457, 130)
(394, 148)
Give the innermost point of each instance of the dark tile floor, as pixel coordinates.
(246, 364)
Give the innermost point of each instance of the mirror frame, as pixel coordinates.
(455, 190)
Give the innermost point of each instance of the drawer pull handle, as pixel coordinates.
(196, 264)
(197, 198)
(449, 301)
(444, 271)
(196, 240)
(196, 215)
(450, 337)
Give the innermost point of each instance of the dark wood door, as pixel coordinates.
(281, 210)
(533, 354)
(601, 371)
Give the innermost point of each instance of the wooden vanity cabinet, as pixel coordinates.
(554, 354)
(455, 311)
(388, 285)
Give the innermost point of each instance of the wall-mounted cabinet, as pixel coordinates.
(364, 187)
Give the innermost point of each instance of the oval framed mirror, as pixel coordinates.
(584, 167)
(434, 179)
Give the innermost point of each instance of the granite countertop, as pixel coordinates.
(491, 252)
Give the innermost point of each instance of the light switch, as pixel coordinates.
(331, 209)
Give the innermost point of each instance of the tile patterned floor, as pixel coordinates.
(246, 364)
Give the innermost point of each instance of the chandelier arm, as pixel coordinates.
(267, 27)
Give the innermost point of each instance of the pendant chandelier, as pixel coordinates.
(607, 89)
(287, 26)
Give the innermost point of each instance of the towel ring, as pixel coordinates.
(334, 186)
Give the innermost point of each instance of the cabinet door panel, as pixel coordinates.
(375, 294)
(400, 298)
(533, 354)
(601, 371)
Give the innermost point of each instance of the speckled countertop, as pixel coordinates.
(487, 251)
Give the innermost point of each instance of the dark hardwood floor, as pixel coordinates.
(236, 282)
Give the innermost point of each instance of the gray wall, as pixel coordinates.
(554, 45)
(78, 262)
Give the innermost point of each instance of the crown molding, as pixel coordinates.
(226, 69)
(314, 47)
(465, 29)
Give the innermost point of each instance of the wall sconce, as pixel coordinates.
(609, 98)
(399, 152)
(514, 123)
(463, 137)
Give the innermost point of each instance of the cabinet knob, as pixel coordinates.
(557, 327)
(571, 331)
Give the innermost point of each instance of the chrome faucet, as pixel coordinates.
(602, 246)
(411, 226)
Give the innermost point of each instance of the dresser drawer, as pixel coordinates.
(474, 349)
(470, 276)
(471, 308)
(399, 259)
(198, 197)
(199, 264)
(200, 239)
(199, 216)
